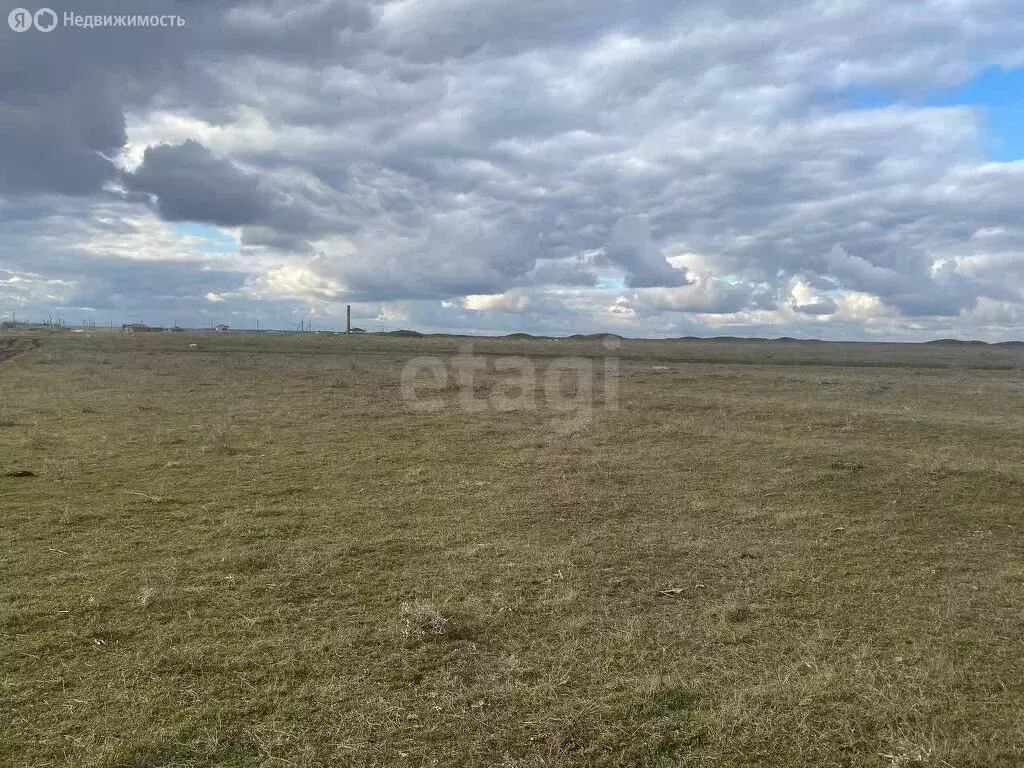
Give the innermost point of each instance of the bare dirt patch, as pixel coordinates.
(12, 347)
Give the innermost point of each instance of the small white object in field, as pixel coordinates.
(660, 368)
(193, 346)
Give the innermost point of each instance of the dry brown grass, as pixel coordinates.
(251, 554)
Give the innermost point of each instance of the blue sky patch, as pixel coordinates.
(611, 283)
(1000, 94)
(215, 241)
(997, 93)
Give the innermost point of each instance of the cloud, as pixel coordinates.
(645, 266)
(807, 302)
(706, 295)
(572, 272)
(191, 184)
(58, 143)
(653, 167)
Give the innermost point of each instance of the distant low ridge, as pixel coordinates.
(960, 342)
(594, 336)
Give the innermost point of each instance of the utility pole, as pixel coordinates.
(348, 318)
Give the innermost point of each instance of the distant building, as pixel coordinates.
(134, 328)
(221, 328)
(358, 330)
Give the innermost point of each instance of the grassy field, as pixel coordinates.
(253, 553)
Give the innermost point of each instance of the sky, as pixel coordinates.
(841, 169)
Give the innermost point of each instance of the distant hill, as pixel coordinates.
(523, 336)
(594, 336)
(742, 338)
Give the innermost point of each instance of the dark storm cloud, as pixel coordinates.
(62, 103)
(59, 143)
(191, 184)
